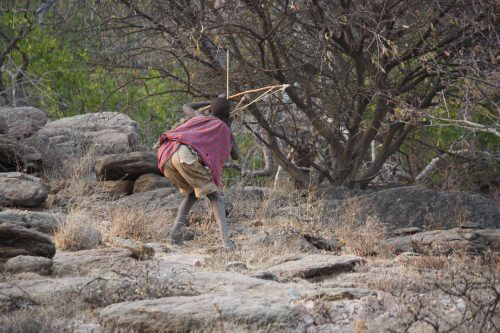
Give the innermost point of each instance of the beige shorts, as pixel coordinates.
(188, 174)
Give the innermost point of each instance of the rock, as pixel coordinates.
(23, 122)
(163, 199)
(150, 181)
(443, 242)
(18, 189)
(416, 206)
(126, 166)
(17, 156)
(109, 131)
(117, 188)
(21, 264)
(138, 249)
(186, 313)
(90, 261)
(40, 221)
(15, 240)
(315, 265)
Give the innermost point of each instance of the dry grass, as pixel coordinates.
(133, 223)
(363, 238)
(37, 320)
(78, 232)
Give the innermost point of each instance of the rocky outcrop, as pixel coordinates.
(314, 265)
(149, 182)
(16, 240)
(16, 156)
(22, 264)
(190, 312)
(444, 242)
(23, 122)
(110, 131)
(40, 221)
(128, 166)
(18, 189)
(416, 206)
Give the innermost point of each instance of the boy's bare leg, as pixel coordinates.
(180, 219)
(220, 215)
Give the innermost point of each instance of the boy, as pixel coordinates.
(192, 155)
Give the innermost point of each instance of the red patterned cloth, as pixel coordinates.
(208, 135)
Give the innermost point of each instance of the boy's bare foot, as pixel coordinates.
(176, 238)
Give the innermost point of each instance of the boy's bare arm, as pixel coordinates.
(235, 152)
(191, 109)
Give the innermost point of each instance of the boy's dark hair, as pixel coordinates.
(220, 108)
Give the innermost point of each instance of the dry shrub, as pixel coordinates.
(133, 223)
(78, 232)
(36, 320)
(363, 238)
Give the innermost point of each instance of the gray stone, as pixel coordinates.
(90, 261)
(196, 312)
(151, 181)
(17, 240)
(129, 166)
(164, 199)
(23, 122)
(40, 221)
(110, 131)
(18, 189)
(443, 242)
(21, 264)
(416, 206)
(315, 265)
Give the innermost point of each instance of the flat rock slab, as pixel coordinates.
(40, 221)
(182, 314)
(314, 265)
(21, 264)
(22, 122)
(443, 242)
(416, 206)
(90, 261)
(151, 181)
(18, 189)
(128, 166)
(16, 240)
(107, 130)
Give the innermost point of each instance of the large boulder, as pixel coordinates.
(150, 181)
(22, 264)
(110, 131)
(18, 189)
(39, 221)
(23, 122)
(16, 240)
(127, 166)
(416, 206)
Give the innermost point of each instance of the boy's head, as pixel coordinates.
(220, 108)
